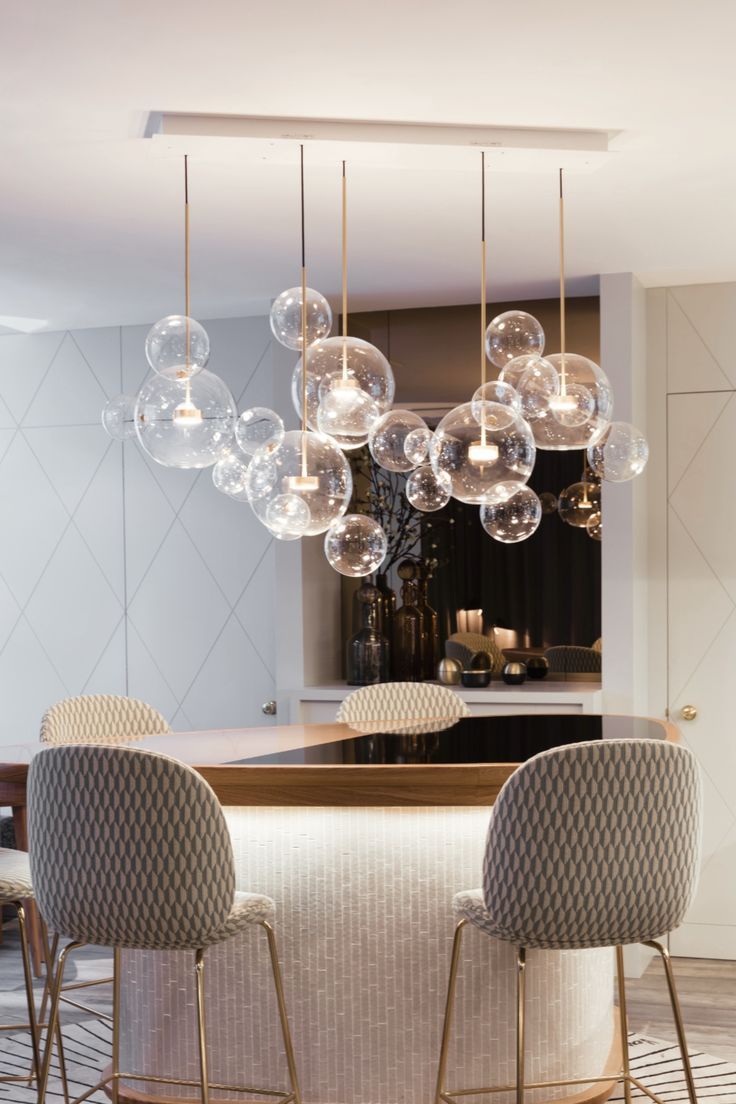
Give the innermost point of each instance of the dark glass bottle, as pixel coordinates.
(368, 650)
(431, 627)
(407, 638)
(387, 606)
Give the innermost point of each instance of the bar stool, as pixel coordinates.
(15, 888)
(130, 849)
(590, 845)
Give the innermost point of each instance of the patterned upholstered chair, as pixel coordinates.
(131, 849)
(100, 719)
(569, 659)
(15, 888)
(395, 701)
(561, 872)
(597, 645)
(464, 645)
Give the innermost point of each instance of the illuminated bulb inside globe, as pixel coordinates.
(346, 412)
(560, 404)
(301, 483)
(187, 414)
(478, 453)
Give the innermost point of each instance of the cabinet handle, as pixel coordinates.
(688, 712)
(269, 708)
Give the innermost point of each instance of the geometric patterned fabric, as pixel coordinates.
(394, 701)
(592, 845)
(464, 645)
(100, 719)
(131, 849)
(15, 876)
(572, 659)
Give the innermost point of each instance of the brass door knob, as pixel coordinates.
(688, 712)
(269, 708)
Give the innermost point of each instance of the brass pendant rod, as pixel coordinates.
(483, 283)
(187, 324)
(562, 289)
(304, 319)
(344, 272)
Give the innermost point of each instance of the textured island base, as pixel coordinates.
(365, 927)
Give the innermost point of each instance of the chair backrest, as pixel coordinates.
(464, 645)
(597, 645)
(395, 701)
(127, 848)
(594, 845)
(572, 659)
(100, 719)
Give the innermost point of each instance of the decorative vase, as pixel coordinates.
(537, 667)
(367, 650)
(407, 663)
(477, 674)
(386, 607)
(449, 671)
(431, 627)
(514, 673)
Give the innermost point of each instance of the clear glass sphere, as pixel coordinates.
(582, 378)
(387, 439)
(258, 428)
(514, 520)
(177, 347)
(478, 456)
(229, 474)
(537, 385)
(428, 491)
(326, 488)
(356, 545)
(512, 372)
(503, 491)
(416, 445)
(346, 413)
(512, 334)
(118, 417)
(340, 358)
(286, 317)
(496, 391)
(594, 526)
(549, 502)
(620, 454)
(185, 423)
(578, 502)
(288, 516)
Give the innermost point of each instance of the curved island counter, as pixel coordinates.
(362, 840)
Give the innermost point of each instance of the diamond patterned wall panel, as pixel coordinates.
(122, 576)
(702, 587)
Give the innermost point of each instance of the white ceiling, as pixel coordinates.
(90, 217)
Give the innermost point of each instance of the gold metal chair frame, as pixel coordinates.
(447, 1096)
(116, 1075)
(35, 1024)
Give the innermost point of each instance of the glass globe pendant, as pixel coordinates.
(514, 519)
(354, 381)
(229, 474)
(356, 546)
(580, 501)
(427, 491)
(388, 436)
(286, 317)
(513, 334)
(118, 417)
(185, 424)
(258, 428)
(620, 454)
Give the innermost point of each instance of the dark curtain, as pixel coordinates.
(547, 588)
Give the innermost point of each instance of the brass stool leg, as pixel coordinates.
(677, 1013)
(115, 1087)
(281, 1000)
(201, 1028)
(49, 954)
(53, 1019)
(449, 1009)
(623, 1022)
(520, 1025)
(28, 978)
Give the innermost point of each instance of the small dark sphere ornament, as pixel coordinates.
(477, 675)
(514, 673)
(537, 667)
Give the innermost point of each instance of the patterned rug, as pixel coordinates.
(88, 1048)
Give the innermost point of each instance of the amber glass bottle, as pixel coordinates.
(431, 627)
(407, 637)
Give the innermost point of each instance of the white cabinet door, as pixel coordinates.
(702, 644)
